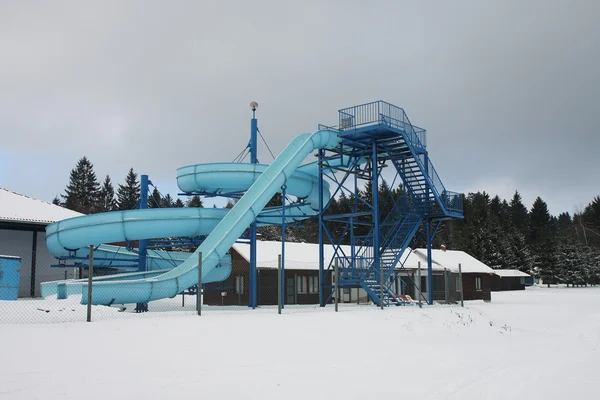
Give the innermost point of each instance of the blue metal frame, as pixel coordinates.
(382, 134)
(283, 224)
(254, 160)
(143, 204)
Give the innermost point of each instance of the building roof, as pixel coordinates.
(451, 258)
(297, 255)
(305, 256)
(411, 259)
(511, 273)
(18, 208)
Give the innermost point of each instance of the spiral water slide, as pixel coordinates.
(223, 226)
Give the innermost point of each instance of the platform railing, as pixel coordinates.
(384, 113)
(380, 113)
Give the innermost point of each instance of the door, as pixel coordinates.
(290, 290)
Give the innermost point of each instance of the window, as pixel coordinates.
(313, 284)
(239, 284)
(423, 284)
(477, 283)
(302, 284)
(458, 285)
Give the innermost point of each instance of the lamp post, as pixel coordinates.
(254, 160)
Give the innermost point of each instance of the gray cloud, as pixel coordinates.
(508, 91)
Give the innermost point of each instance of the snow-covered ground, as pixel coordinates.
(538, 344)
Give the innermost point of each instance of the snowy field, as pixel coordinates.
(538, 344)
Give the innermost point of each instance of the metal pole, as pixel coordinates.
(143, 204)
(279, 284)
(282, 283)
(33, 265)
(90, 274)
(419, 286)
(375, 190)
(199, 291)
(446, 288)
(462, 296)
(337, 287)
(254, 160)
(429, 264)
(321, 245)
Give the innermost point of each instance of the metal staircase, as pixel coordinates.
(387, 130)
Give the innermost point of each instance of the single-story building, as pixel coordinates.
(301, 275)
(476, 276)
(509, 279)
(408, 275)
(23, 222)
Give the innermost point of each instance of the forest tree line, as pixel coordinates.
(502, 234)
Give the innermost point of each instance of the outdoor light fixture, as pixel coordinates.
(254, 106)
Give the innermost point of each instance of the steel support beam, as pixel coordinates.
(143, 243)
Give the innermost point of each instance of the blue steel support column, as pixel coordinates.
(282, 283)
(352, 265)
(375, 191)
(253, 160)
(429, 268)
(143, 244)
(321, 246)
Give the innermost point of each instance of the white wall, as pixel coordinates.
(19, 243)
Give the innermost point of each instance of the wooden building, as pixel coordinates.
(301, 275)
(476, 276)
(509, 279)
(409, 283)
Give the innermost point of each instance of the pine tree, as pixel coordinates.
(518, 213)
(128, 194)
(56, 201)
(106, 197)
(540, 222)
(179, 203)
(155, 199)
(81, 193)
(194, 201)
(542, 242)
(167, 201)
(588, 223)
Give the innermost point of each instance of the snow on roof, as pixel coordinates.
(16, 207)
(410, 260)
(306, 255)
(297, 255)
(511, 273)
(451, 258)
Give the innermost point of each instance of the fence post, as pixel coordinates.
(446, 288)
(462, 295)
(90, 275)
(381, 282)
(199, 291)
(279, 284)
(337, 288)
(419, 285)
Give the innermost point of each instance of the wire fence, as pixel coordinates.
(299, 293)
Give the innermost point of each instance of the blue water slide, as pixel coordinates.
(222, 226)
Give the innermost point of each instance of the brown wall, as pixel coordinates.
(507, 283)
(470, 293)
(212, 291)
(266, 286)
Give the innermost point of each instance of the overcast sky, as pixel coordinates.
(509, 91)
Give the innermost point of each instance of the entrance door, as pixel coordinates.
(290, 290)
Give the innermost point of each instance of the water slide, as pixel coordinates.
(223, 226)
